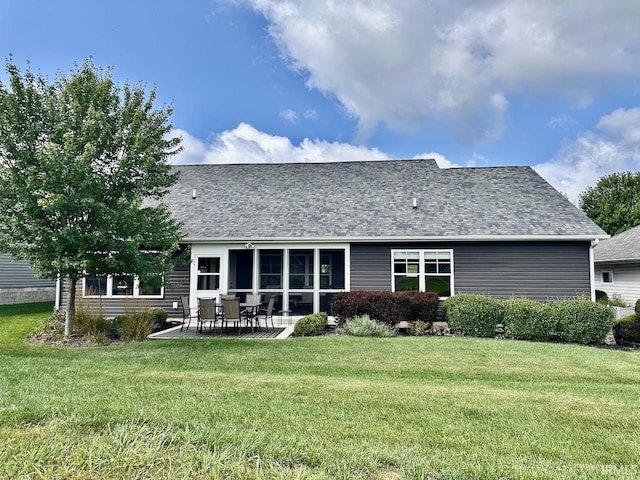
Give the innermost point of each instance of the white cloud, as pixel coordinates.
(310, 115)
(245, 144)
(413, 62)
(289, 115)
(440, 159)
(613, 147)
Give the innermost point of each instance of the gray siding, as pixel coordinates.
(626, 281)
(17, 274)
(540, 270)
(110, 307)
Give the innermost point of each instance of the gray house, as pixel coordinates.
(19, 284)
(617, 266)
(305, 231)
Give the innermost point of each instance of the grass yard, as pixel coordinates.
(328, 407)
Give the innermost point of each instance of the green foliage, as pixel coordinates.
(387, 307)
(627, 329)
(528, 320)
(79, 157)
(581, 321)
(617, 302)
(418, 328)
(363, 326)
(136, 327)
(157, 316)
(311, 325)
(473, 315)
(90, 323)
(602, 297)
(637, 308)
(614, 202)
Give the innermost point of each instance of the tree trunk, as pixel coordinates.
(71, 307)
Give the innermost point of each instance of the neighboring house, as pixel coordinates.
(305, 231)
(617, 266)
(19, 284)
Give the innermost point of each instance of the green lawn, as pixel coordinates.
(329, 407)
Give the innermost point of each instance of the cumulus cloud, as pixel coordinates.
(613, 146)
(413, 62)
(246, 144)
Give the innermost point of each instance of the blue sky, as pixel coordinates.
(554, 84)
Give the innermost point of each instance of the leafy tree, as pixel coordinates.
(83, 168)
(614, 202)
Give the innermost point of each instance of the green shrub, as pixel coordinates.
(418, 328)
(363, 326)
(473, 315)
(581, 321)
(638, 308)
(114, 329)
(527, 320)
(627, 329)
(602, 297)
(158, 316)
(617, 302)
(136, 326)
(311, 325)
(88, 323)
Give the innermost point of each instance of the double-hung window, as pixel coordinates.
(121, 285)
(423, 270)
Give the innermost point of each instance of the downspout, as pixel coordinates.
(57, 302)
(592, 269)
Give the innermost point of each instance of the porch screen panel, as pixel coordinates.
(270, 269)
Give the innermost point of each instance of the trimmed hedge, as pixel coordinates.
(473, 315)
(311, 325)
(527, 319)
(627, 329)
(386, 307)
(581, 321)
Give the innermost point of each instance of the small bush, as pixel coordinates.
(473, 315)
(581, 321)
(363, 326)
(311, 325)
(158, 316)
(617, 302)
(638, 308)
(627, 329)
(528, 320)
(602, 297)
(136, 326)
(418, 328)
(387, 307)
(89, 324)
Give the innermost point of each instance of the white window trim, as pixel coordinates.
(109, 287)
(421, 270)
(610, 272)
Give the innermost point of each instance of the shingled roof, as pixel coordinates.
(370, 200)
(624, 247)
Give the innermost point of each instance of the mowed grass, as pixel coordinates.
(328, 407)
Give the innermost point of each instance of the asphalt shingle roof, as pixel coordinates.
(349, 200)
(624, 247)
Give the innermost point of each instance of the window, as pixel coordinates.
(209, 273)
(121, 286)
(424, 270)
(301, 269)
(271, 269)
(607, 277)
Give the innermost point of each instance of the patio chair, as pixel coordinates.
(267, 313)
(228, 297)
(186, 312)
(231, 313)
(207, 313)
(251, 298)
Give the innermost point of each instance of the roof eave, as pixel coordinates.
(454, 238)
